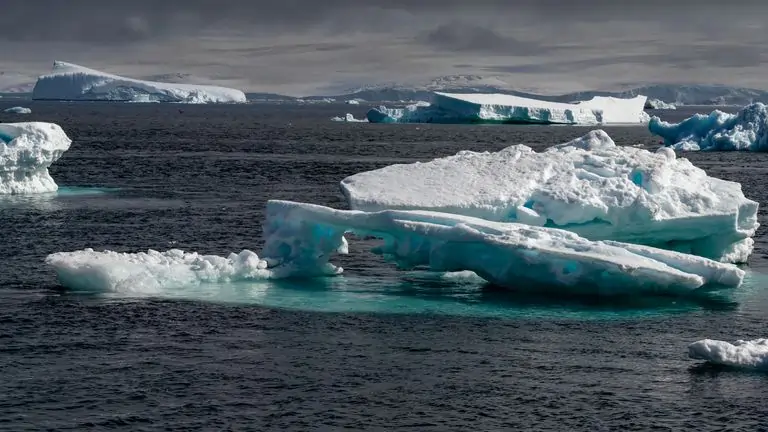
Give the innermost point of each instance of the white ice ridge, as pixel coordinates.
(152, 271)
(26, 152)
(589, 186)
(718, 131)
(18, 110)
(752, 354)
(72, 82)
(349, 118)
(502, 108)
(300, 239)
(659, 105)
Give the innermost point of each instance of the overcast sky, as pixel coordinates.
(302, 47)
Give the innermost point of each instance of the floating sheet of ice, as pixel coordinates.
(659, 105)
(301, 238)
(26, 152)
(718, 131)
(589, 186)
(349, 118)
(752, 354)
(72, 82)
(501, 108)
(18, 110)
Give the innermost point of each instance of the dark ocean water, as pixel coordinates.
(376, 349)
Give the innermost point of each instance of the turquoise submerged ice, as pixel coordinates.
(589, 186)
(718, 131)
(301, 239)
(751, 354)
(502, 108)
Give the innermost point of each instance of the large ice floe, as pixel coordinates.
(751, 354)
(718, 131)
(26, 152)
(300, 240)
(502, 108)
(76, 83)
(589, 186)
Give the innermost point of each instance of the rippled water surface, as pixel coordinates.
(376, 349)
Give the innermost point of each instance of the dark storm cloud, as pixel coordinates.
(460, 36)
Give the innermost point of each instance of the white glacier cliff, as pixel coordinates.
(26, 152)
(718, 131)
(589, 186)
(751, 354)
(658, 104)
(503, 108)
(18, 110)
(76, 83)
(300, 239)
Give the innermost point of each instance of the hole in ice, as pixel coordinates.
(637, 178)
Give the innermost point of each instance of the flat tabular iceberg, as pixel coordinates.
(26, 152)
(718, 131)
(72, 82)
(300, 239)
(752, 354)
(501, 108)
(18, 110)
(589, 186)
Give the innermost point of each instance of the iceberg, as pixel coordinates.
(589, 186)
(26, 152)
(504, 108)
(349, 118)
(751, 354)
(18, 110)
(71, 82)
(718, 131)
(658, 104)
(300, 239)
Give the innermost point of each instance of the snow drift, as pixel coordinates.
(503, 108)
(752, 354)
(26, 152)
(718, 131)
(589, 186)
(76, 83)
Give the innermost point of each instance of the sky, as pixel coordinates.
(302, 47)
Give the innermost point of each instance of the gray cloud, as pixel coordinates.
(301, 46)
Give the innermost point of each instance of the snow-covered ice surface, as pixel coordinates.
(502, 108)
(26, 152)
(589, 186)
(718, 131)
(18, 110)
(751, 354)
(659, 105)
(300, 240)
(72, 82)
(349, 118)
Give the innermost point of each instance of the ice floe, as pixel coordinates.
(749, 354)
(26, 152)
(349, 118)
(718, 131)
(589, 186)
(18, 110)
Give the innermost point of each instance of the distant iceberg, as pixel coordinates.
(503, 108)
(76, 83)
(659, 105)
(589, 186)
(718, 131)
(26, 152)
(349, 118)
(300, 239)
(751, 354)
(18, 110)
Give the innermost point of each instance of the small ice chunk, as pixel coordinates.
(18, 110)
(750, 354)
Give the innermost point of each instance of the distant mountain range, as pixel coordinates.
(678, 94)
